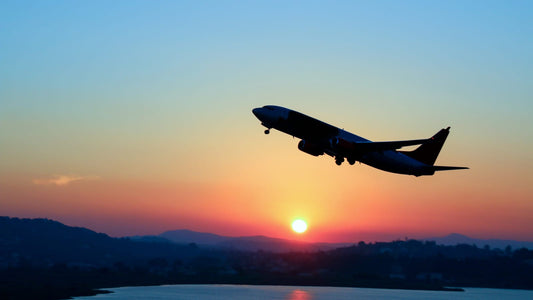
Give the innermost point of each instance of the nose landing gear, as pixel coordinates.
(267, 131)
(339, 160)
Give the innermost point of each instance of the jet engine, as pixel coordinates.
(310, 148)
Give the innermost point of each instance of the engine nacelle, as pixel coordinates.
(310, 148)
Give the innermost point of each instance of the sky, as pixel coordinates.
(134, 117)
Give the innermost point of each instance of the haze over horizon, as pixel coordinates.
(133, 118)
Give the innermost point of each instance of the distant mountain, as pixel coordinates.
(245, 243)
(184, 236)
(43, 239)
(43, 242)
(150, 239)
(254, 243)
(49, 256)
(456, 238)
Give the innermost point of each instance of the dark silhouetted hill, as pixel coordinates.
(245, 243)
(44, 259)
(43, 242)
(254, 243)
(184, 236)
(455, 239)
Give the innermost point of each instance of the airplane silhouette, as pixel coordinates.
(318, 138)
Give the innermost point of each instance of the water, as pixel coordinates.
(254, 292)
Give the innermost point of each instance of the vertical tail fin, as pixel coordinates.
(427, 152)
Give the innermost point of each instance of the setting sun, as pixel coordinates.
(299, 226)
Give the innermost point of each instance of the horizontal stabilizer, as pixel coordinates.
(445, 168)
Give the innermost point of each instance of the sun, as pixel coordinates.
(299, 226)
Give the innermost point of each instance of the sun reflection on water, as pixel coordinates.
(299, 295)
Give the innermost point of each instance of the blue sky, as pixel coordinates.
(162, 91)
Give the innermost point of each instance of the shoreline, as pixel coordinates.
(97, 291)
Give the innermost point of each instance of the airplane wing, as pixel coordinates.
(382, 146)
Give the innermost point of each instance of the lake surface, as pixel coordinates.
(242, 292)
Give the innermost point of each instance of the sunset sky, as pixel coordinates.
(134, 117)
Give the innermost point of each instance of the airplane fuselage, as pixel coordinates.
(319, 138)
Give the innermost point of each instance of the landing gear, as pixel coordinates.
(267, 131)
(339, 160)
(351, 161)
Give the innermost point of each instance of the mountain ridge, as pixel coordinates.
(457, 238)
(261, 242)
(49, 256)
(245, 243)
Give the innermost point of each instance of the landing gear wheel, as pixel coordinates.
(339, 160)
(267, 131)
(351, 161)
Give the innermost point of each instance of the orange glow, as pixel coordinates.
(258, 195)
(344, 206)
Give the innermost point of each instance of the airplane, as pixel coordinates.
(318, 138)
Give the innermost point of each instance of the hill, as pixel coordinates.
(456, 238)
(43, 242)
(44, 259)
(255, 243)
(245, 243)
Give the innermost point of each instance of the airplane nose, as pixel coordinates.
(257, 112)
